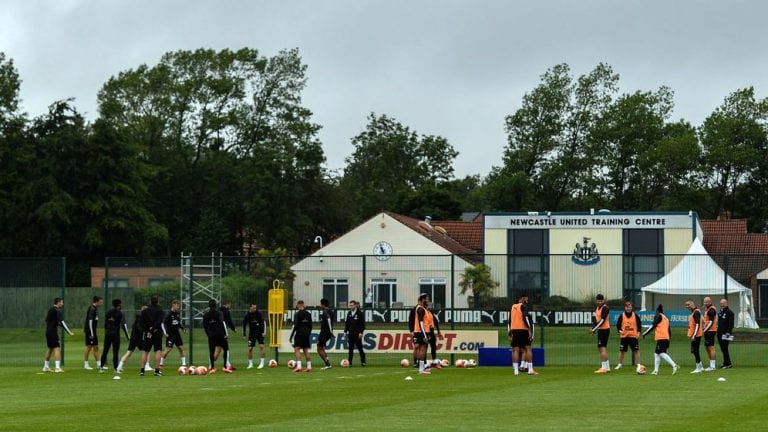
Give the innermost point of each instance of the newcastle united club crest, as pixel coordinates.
(585, 253)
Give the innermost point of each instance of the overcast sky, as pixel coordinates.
(450, 68)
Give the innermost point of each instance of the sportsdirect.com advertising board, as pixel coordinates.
(398, 341)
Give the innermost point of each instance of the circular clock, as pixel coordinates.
(382, 250)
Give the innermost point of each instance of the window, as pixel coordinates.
(152, 282)
(643, 260)
(384, 292)
(435, 287)
(336, 291)
(117, 283)
(528, 264)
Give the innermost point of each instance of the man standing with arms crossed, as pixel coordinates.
(253, 321)
(326, 332)
(91, 338)
(521, 335)
(660, 327)
(710, 333)
(113, 322)
(151, 322)
(53, 320)
(420, 332)
(695, 332)
(354, 327)
(629, 325)
(724, 330)
(300, 334)
(603, 328)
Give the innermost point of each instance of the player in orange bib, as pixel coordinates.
(710, 333)
(603, 328)
(660, 327)
(695, 331)
(628, 325)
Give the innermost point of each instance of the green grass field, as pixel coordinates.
(567, 395)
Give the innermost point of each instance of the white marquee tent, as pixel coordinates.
(695, 276)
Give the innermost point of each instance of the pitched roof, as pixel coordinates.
(443, 240)
(740, 253)
(468, 233)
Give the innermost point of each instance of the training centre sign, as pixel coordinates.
(397, 341)
(497, 317)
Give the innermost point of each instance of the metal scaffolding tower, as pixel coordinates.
(201, 281)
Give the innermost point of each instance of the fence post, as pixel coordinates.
(725, 277)
(63, 294)
(453, 298)
(190, 263)
(105, 283)
(365, 282)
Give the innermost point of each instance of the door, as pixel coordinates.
(384, 292)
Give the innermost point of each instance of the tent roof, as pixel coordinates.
(696, 273)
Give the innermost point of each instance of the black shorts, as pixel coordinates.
(629, 342)
(135, 342)
(602, 337)
(217, 340)
(695, 345)
(662, 346)
(322, 341)
(254, 339)
(174, 340)
(520, 339)
(91, 340)
(52, 341)
(420, 339)
(301, 341)
(153, 341)
(709, 339)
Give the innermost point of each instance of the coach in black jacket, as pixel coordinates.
(354, 329)
(725, 328)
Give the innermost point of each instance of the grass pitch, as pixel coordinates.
(380, 398)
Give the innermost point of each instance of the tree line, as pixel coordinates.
(214, 151)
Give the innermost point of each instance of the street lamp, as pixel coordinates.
(319, 239)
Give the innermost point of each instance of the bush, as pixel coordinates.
(560, 303)
(242, 289)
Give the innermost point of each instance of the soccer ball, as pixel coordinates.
(202, 370)
(404, 363)
(273, 363)
(291, 364)
(641, 370)
(469, 363)
(460, 363)
(192, 370)
(183, 370)
(445, 363)
(344, 363)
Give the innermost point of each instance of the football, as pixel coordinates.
(273, 363)
(640, 370)
(291, 364)
(344, 363)
(445, 363)
(202, 370)
(192, 370)
(469, 363)
(183, 370)
(404, 363)
(459, 363)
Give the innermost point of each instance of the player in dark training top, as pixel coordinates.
(151, 327)
(326, 331)
(135, 341)
(91, 338)
(113, 323)
(53, 320)
(253, 332)
(216, 330)
(226, 312)
(302, 329)
(171, 330)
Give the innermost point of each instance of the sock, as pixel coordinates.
(523, 364)
(261, 361)
(530, 369)
(656, 362)
(667, 359)
(147, 366)
(58, 364)
(309, 365)
(250, 362)
(517, 370)
(421, 366)
(162, 361)
(183, 361)
(699, 366)
(120, 365)
(712, 364)
(86, 363)
(47, 364)
(298, 364)
(98, 364)
(327, 362)
(605, 365)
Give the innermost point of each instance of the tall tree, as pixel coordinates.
(390, 162)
